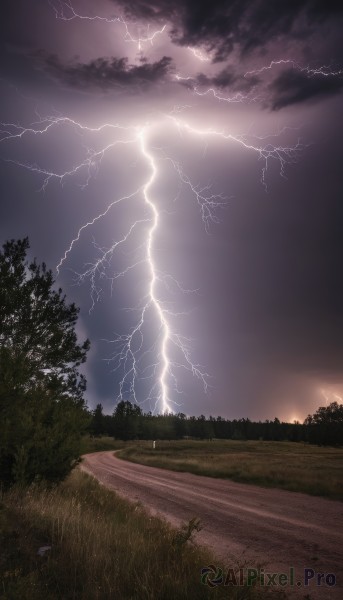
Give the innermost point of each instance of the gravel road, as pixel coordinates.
(277, 528)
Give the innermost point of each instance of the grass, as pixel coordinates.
(291, 466)
(102, 547)
(100, 444)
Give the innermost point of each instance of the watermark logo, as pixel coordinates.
(326, 579)
(213, 576)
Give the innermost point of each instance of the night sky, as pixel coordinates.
(265, 318)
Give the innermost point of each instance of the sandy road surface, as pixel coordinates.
(279, 528)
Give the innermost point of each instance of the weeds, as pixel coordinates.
(186, 533)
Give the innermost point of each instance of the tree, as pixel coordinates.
(325, 426)
(126, 420)
(333, 413)
(42, 410)
(97, 425)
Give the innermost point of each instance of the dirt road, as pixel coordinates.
(277, 528)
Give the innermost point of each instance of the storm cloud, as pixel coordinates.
(107, 73)
(222, 25)
(292, 87)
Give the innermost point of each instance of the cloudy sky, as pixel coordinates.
(220, 120)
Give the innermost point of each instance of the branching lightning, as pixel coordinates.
(324, 70)
(65, 11)
(191, 82)
(199, 54)
(330, 396)
(211, 91)
(236, 97)
(265, 151)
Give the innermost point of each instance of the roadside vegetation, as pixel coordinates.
(291, 466)
(102, 548)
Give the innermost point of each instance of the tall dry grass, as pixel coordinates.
(102, 547)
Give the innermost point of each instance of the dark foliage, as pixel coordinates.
(128, 422)
(325, 427)
(42, 411)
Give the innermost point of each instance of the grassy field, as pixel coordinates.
(102, 548)
(100, 444)
(287, 465)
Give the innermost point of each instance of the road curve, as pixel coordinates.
(278, 528)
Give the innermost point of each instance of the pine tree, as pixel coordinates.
(42, 410)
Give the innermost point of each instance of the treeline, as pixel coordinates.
(129, 422)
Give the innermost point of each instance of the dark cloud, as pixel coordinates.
(107, 73)
(225, 78)
(221, 25)
(292, 87)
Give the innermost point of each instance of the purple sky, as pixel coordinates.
(222, 91)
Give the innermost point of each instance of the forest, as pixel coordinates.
(129, 422)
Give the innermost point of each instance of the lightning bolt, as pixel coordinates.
(324, 70)
(199, 54)
(237, 97)
(330, 396)
(153, 298)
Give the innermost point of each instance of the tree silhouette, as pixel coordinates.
(325, 426)
(126, 420)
